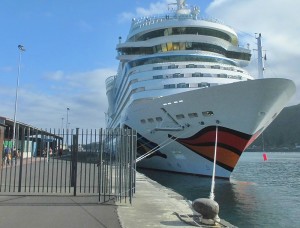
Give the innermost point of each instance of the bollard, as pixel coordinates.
(208, 208)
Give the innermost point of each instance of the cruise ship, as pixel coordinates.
(181, 84)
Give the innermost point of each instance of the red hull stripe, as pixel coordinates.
(230, 146)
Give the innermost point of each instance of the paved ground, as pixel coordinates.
(153, 206)
(53, 211)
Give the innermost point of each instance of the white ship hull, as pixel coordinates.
(186, 141)
(181, 80)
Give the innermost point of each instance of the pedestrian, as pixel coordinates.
(15, 155)
(60, 152)
(6, 151)
(8, 157)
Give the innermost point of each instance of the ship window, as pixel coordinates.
(158, 119)
(191, 66)
(208, 113)
(133, 81)
(193, 85)
(175, 46)
(180, 116)
(192, 115)
(158, 48)
(158, 77)
(173, 66)
(188, 45)
(157, 68)
(170, 46)
(143, 121)
(169, 86)
(164, 47)
(235, 77)
(222, 75)
(150, 120)
(215, 67)
(182, 46)
(197, 75)
(177, 75)
(183, 85)
(203, 85)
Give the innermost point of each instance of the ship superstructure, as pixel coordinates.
(179, 77)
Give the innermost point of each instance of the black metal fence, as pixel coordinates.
(72, 162)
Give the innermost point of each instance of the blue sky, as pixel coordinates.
(70, 50)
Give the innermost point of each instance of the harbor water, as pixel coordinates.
(259, 194)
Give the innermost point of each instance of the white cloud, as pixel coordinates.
(276, 21)
(84, 93)
(6, 69)
(54, 76)
(159, 7)
(84, 26)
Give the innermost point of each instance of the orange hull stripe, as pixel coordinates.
(224, 156)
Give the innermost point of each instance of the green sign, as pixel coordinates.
(8, 143)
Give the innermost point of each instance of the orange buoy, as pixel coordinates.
(265, 157)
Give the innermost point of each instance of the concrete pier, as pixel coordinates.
(153, 206)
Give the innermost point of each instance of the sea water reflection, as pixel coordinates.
(259, 193)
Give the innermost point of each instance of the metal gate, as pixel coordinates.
(71, 162)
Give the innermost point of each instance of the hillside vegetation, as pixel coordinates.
(283, 132)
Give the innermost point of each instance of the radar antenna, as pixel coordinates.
(180, 4)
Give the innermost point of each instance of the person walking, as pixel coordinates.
(9, 158)
(6, 151)
(15, 155)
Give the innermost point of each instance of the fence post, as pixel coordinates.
(74, 161)
(21, 155)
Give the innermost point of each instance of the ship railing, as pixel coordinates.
(109, 81)
(190, 66)
(150, 20)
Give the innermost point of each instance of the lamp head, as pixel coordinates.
(21, 47)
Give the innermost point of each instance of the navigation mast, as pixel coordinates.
(261, 67)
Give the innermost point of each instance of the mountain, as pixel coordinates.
(283, 133)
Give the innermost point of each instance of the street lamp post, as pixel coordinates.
(67, 118)
(62, 124)
(21, 49)
(67, 127)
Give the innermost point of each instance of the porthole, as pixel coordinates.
(158, 119)
(180, 116)
(208, 113)
(150, 120)
(193, 115)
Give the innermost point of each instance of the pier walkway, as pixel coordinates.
(153, 206)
